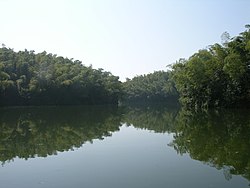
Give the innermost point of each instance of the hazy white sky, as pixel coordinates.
(126, 37)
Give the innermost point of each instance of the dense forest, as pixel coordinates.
(155, 87)
(217, 76)
(27, 78)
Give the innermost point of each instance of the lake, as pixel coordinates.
(135, 147)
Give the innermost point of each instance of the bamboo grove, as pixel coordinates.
(217, 76)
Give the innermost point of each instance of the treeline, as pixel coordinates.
(153, 87)
(213, 77)
(27, 78)
(217, 76)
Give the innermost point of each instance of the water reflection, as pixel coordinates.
(217, 138)
(159, 119)
(30, 132)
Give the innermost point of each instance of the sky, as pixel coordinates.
(125, 37)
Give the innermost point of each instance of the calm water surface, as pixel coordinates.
(106, 146)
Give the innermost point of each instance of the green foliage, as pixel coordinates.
(234, 66)
(212, 77)
(217, 76)
(34, 79)
(153, 87)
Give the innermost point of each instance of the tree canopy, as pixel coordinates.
(153, 87)
(216, 76)
(27, 78)
(213, 77)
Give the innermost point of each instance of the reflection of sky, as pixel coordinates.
(125, 37)
(130, 158)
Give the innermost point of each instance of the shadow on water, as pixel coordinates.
(217, 138)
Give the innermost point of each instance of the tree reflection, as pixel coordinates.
(30, 132)
(157, 118)
(218, 138)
